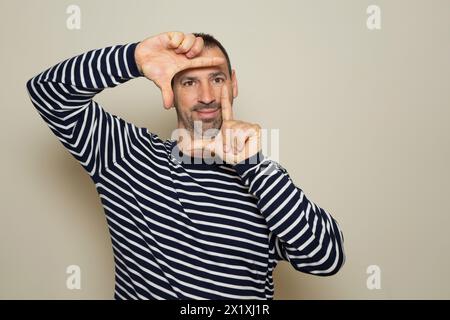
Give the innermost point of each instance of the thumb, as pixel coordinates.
(201, 62)
(167, 95)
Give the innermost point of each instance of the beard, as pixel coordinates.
(200, 127)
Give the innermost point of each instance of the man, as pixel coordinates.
(184, 229)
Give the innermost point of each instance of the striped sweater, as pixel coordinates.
(181, 230)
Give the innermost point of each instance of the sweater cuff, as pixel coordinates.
(249, 163)
(131, 60)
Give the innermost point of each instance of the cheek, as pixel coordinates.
(218, 92)
(185, 99)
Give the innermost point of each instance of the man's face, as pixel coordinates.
(197, 94)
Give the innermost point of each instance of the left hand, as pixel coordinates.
(236, 141)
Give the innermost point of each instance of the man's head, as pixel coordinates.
(197, 90)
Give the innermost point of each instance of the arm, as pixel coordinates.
(306, 235)
(63, 94)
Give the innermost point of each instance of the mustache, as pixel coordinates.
(201, 107)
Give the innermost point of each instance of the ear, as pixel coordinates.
(234, 83)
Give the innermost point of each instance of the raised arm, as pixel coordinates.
(306, 235)
(63, 94)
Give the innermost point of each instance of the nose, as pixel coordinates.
(206, 94)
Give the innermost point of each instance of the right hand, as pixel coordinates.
(160, 57)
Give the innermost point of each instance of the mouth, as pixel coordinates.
(207, 113)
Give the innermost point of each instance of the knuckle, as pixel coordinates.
(200, 42)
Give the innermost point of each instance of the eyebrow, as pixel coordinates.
(212, 74)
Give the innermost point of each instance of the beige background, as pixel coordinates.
(363, 118)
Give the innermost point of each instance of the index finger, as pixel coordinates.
(227, 111)
(201, 62)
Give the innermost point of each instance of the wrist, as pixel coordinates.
(250, 162)
(130, 61)
(137, 59)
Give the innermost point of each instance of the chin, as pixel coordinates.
(211, 131)
(213, 125)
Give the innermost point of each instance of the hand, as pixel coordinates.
(160, 57)
(236, 141)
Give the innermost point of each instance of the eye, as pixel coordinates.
(218, 80)
(188, 83)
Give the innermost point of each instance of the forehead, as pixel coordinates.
(206, 52)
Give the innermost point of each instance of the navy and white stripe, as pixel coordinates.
(179, 230)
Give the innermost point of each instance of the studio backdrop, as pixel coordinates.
(357, 90)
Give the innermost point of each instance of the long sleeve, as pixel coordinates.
(305, 235)
(63, 96)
